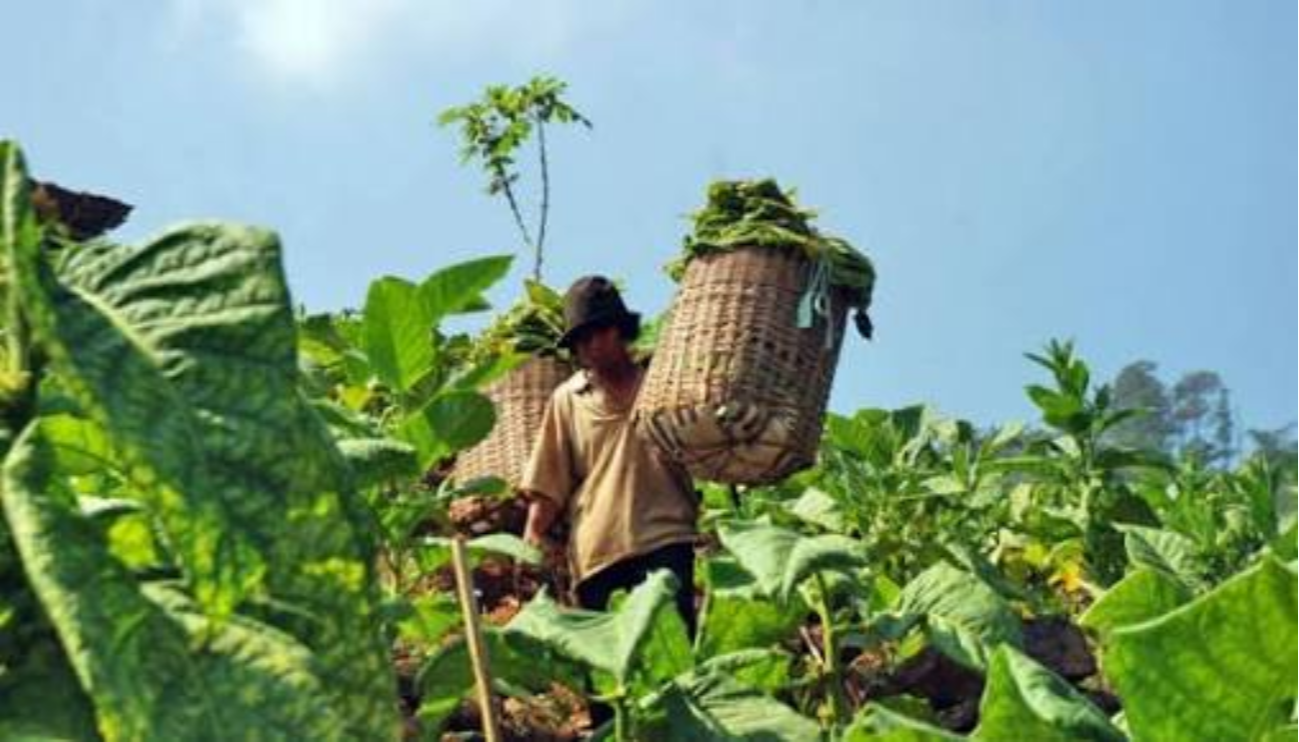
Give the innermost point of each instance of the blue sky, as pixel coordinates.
(1114, 172)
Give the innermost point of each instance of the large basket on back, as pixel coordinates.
(737, 390)
(520, 398)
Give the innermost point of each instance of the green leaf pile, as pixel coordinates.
(532, 326)
(742, 213)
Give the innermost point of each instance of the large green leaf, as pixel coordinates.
(644, 636)
(1061, 410)
(183, 350)
(481, 374)
(450, 422)
(966, 618)
(123, 348)
(400, 317)
(766, 670)
(15, 197)
(153, 666)
(780, 559)
(427, 619)
(1023, 700)
(736, 614)
(458, 288)
(818, 508)
(1164, 550)
(877, 723)
(977, 564)
(82, 446)
(1221, 667)
(1141, 595)
(378, 460)
(398, 333)
(20, 234)
(714, 706)
(41, 699)
(333, 342)
(129, 533)
(168, 347)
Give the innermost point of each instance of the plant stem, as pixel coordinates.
(545, 198)
(620, 719)
(518, 219)
(830, 654)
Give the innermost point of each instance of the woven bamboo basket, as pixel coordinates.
(520, 398)
(737, 390)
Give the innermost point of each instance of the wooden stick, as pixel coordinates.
(477, 652)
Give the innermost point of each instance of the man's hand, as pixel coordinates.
(542, 513)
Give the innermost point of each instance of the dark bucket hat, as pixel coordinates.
(593, 302)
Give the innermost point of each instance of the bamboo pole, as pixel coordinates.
(473, 635)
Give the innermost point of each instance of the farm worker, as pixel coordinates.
(631, 511)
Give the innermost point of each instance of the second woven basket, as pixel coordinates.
(520, 398)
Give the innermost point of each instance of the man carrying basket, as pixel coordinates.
(630, 509)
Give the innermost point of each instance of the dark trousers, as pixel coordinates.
(594, 593)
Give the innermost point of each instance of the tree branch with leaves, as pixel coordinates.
(492, 131)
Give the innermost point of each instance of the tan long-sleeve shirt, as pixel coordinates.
(622, 497)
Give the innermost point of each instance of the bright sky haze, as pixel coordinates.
(1113, 172)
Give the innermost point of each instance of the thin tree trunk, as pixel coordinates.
(545, 200)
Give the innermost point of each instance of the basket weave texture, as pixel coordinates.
(736, 391)
(520, 399)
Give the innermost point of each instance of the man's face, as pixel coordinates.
(600, 348)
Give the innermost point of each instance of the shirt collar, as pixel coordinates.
(586, 383)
